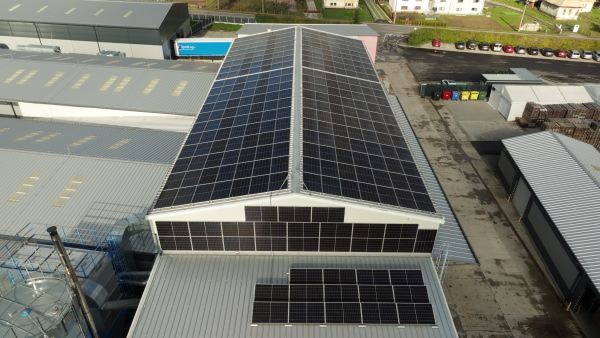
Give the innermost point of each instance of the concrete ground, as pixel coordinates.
(508, 294)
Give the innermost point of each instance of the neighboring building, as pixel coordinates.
(510, 100)
(300, 174)
(564, 9)
(156, 94)
(361, 32)
(412, 6)
(345, 4)
(457, 7)
(554, 183)
(138, 29)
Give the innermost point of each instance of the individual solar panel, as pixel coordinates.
(352, 144)
(315, 313)
(298, 313)
(407, 314)
(306, 276)
(239, 144)
(261, 312)
(424, 314)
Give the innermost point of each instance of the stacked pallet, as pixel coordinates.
(535, 114)
(585, 130)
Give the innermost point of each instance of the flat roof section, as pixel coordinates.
(127, 144)
(87, 13)
(212, 296)
(345, 30)
(116, 88)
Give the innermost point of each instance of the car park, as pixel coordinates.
(459, 45)
(574, 54)
(496, 47)
(586, 54)
(520, 50)
(436, 43)
(596, 55)
(484, 46)
(472, 44)
(533, 51)
(508, 49)
(547, 52)
(561, 53)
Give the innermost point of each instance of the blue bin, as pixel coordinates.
(455, 95)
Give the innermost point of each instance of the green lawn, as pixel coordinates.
(225, 26)
(319, 4)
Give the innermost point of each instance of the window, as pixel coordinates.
(460, 1)
(417, 8)
(459, 9)
(569, 12)
(333, 4)
(442, 0)
(348, 4)
(441, 9)
(476, 1)
(473, 9)
(404, 8)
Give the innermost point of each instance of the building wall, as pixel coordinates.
(346, 4)
(370, 43)
(63, 112)
(459, 7)
(559, 13)
(586, 7)
(418, 6)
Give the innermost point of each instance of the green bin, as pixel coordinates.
(482, 95)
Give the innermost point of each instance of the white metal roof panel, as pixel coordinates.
(575, 94)
(548, 94)
(594, 92)
(345, 30)
(110, 190)
(87, 13)
(564, 178)
(520, 93)
(90, 93)
(211, 296)
(145, 145)
(450, 232)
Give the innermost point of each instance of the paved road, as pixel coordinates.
(467, 67)
(376, 12)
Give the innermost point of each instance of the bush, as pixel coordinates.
(423, 35)
(421, 23)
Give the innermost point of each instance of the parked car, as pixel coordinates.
(508, 49)
(496, 47)
(460, 45)
(574, 54)
(448, 82)
(520, 50)
(381, 21)
(436, 43)
(586, 54)
(472, 44)
(596, 55)
(484, 45)
(533, 51)
(547, 52)
(561, 53)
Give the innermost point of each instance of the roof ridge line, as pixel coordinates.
(566, 148)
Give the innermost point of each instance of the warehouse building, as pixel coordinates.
(133, 92)
(510, 100)
(556, 192)
(138, 29)
(362, 32)
(300, 204)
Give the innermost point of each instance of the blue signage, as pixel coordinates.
(203, 48)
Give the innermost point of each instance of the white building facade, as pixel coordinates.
(457, 7)
(413, 6)
(341, 4)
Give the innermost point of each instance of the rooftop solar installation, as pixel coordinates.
(351, 145)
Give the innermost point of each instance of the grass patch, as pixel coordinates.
(346, 14)
(224, 26)
(319, 4)
(273, 18)
(472, 22)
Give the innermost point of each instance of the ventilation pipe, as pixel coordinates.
(73, 280)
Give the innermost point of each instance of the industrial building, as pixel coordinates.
(362, 32)
(556, 192)
(138, 29)
(133, 92)
(300, 204)
(510, 100)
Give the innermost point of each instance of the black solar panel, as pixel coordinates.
(352, 144)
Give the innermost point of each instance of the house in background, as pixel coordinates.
(566, 9)
(456, 7)
(344, 4)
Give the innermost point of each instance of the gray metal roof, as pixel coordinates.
(564, 177)
(345, 30)
(450, 232)
(211, 296)
(113, 62)
(87, 13)
(525, 75)
(145, 145)
(25, 81)
(109, 191)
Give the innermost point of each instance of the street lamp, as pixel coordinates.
(523, 16)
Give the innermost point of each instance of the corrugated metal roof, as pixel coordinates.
(345, 30)
(564, 177)
(110, 190)
(113, 62)
(14, 86)
(87, 13)
(211, 296)
(145, 145)
(450, 232)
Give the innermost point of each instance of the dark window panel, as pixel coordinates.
(247, 244)
(426, 235)
(253, 214)
(167, 243)
(374, 244)
(199, 243)
(114, 35)
(406, 245)
(180, 229)
(364, 277)
(320, 215)
(390, 245)
(197, 229)
(231, 243)
(302, 214)
(183, 243)
(246, 229)
(263, 244)
(213, 229)
(286, 214)
(424, 246)
(53, 31)
(230, 229)
(164, 229)
(215, 243)
(278, 230)
(24, 29)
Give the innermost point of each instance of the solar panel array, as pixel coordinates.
(294, 236)
(352, 144)
(239, 144)
(345, 296)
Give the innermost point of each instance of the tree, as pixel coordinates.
(356, 17)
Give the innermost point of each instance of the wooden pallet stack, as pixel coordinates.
(535, 114)
(585, 130)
